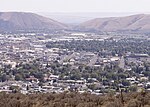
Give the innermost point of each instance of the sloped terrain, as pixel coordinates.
(75, 100)
(10, 21)
(139, 22)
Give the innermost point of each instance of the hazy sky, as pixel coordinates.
(76, 5)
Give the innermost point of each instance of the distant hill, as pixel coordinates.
(139, 22)
(17, 21)
(10, 21)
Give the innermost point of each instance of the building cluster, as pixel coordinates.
(24, 48)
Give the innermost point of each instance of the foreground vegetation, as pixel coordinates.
(75, 100)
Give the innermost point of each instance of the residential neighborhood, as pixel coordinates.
(51, 63)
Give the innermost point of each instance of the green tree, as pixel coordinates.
(18, 77)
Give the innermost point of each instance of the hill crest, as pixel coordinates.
(140, 22)
(27, 21)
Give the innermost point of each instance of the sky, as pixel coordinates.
(141, 6)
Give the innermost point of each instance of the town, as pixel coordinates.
(73, 61)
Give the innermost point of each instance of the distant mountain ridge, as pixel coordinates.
(140, 22)
(10, 21)
(15, 21)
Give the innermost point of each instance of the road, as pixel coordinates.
(67, 57)
(92, 61)
(122, 62)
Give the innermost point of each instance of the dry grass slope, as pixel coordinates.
(74, 100)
